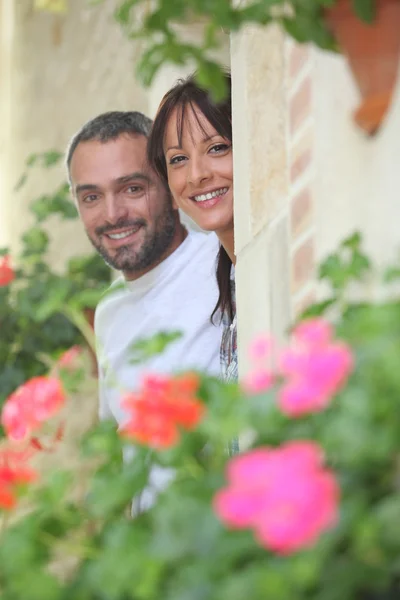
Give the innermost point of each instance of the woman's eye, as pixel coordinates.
(176, 159)
(219, 148)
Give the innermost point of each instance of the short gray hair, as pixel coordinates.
(109, 126)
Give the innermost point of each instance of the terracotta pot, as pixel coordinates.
(373, 53)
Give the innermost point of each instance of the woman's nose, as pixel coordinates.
(199, 170)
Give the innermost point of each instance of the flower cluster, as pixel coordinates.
(7, 274)
(14, 472)
(31, 405)
(313, 368)
(23, 413)
(160, 408)
(70, 359)
(284, 494)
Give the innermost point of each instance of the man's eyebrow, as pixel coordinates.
(84, 187)
(131, 176)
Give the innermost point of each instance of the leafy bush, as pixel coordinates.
(42, 313)
(309, 509)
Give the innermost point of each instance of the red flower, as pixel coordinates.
(160, 408)
(14, 471)
(30, 405)
(6, 271)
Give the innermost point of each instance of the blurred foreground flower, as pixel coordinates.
(7, 274)
(316, 367)
(284, 494)
(33, 403)
(261, 377)
(162, 406)
(70, 359)
(14, 472)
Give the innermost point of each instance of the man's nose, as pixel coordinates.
(115, 209)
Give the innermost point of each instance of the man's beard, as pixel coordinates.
(153, 247)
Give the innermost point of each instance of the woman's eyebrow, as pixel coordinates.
(206, 138)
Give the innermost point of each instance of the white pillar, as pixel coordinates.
(6, 49)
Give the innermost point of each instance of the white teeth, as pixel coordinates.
(120, 236)
(204, 197)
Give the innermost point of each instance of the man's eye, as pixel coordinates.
(90, 198)
(133, 189)
(177, 159)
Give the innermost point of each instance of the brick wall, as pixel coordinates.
(299, 76)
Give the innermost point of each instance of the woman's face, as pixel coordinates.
(200, 171)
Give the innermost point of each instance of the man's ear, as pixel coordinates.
(73, 197)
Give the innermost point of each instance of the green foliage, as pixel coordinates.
(41, 312)
(177, 548)
(156, 24)
(340, 270)
(143, 349)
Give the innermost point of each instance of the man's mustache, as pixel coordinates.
(122, 224)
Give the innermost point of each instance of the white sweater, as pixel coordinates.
(179, 294)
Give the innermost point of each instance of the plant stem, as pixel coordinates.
(78, 319)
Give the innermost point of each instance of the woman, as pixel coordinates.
(190, 147)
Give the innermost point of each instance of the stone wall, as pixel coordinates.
(305, 176)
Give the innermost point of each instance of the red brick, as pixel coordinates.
(300, 165)
(301, 155)
(299, 55)
(302, 265)
(300, 105)
(301, 211)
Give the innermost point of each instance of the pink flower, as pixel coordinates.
(284, 494)
(261, 348)
(261, 377)
(30, 405)
(6, 271)
(315, 366)
(70, 358)
(258, 381)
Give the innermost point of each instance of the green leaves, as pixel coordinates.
(145, 348)
(54, 302)
(44, 159)
(365, 9)
(155, 24)
(346, 265)
(123, 13)
(34, 328)
(57, 203)
(36, 241)
(211, 76)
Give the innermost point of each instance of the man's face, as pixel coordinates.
(125, 209)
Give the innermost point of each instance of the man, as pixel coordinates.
(168, 274)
